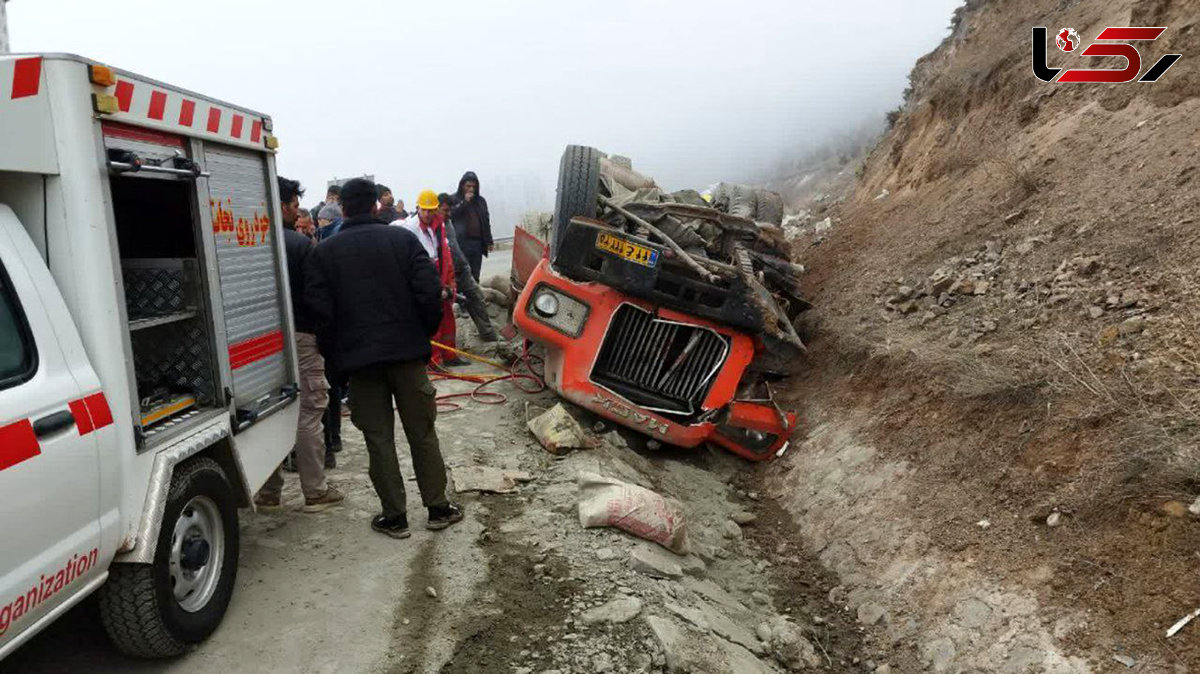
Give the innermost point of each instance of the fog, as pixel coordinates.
(417, 93)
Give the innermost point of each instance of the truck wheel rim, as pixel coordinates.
(197, 553)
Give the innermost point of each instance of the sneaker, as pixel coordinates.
(443, 517)
(330, 498)
(395, 526)
(268, 504)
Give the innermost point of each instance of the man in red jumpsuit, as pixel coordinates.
(430, 230)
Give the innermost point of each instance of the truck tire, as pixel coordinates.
(770, 207)
(578, 190)
(158, 610)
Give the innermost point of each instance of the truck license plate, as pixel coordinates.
(628, 250)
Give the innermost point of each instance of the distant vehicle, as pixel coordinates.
(148, 384)
(679, 345)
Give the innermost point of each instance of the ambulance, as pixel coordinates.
(148, 382)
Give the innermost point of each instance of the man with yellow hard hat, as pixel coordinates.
(430, 229)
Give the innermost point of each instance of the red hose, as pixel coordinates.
(512, 374)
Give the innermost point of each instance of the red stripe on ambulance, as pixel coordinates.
(125, 95)
(214, 120)
(255, 349)
(27, 77)
(18, 443)
(187, 112)
(83, 419)
(158, 105)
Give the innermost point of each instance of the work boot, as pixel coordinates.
(443, 517)
(268, 504)
(395, 526)
(330, 498)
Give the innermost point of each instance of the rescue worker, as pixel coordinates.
(376, 299)
(314, 390)
(472, 221)
(468, 289)
(430, 230)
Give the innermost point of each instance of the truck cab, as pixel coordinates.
(638, 337)
(148, 382)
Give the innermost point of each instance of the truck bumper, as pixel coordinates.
(755, 430)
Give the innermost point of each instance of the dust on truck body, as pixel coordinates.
(148, 383)
(676, 333)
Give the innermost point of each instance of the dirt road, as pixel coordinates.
(520, 586)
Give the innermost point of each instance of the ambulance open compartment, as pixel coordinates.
(200, 278)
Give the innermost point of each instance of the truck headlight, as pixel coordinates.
(546, 303)
(558, 310)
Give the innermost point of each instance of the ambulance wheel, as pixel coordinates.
(578, 190)
(157, 610)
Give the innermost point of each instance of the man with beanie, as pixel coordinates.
(376, 298)
(472, 222)
(314, 390)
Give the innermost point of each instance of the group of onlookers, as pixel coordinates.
(373, 289)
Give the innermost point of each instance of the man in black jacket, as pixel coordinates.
(376, 299)
(472, 222)
(314, 390)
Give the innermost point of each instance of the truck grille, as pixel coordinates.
(661, 365)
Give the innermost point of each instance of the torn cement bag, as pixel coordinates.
(605, 502)
(558, 431)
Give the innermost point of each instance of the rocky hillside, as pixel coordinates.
(1006, 311)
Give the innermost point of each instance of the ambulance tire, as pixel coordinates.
(138, 606)
(578, 190)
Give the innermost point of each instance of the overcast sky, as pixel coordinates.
(417, 92)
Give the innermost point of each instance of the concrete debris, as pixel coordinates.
(558, 431)
(688, 651)
(693, 566)
(790, 647)
(619, 610)
(655, 562)
(606, 554)
(882, 195)
(745, 517)
(1125, 660)
(488, 479)
(1054, 519)
(939, 654)
(870, 614)
(731, 530)
(984, 524)
(607, 502)
(1195, 507)
(432, 593)
(824, 225)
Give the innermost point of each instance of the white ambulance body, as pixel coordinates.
(148, 383)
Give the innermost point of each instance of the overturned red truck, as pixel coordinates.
(668, 313)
